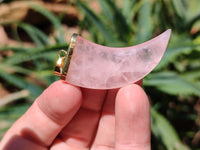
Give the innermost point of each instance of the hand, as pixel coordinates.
(65, 117)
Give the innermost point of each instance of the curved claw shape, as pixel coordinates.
(99, 67)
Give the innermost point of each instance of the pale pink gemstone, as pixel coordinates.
(99, 67)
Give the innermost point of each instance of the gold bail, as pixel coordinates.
(64, 58)
(60, 62)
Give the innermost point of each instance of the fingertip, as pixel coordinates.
(51, 111)
(60, 99)
(132, 116)
(132, 91)
(132, 99)
(62, 87)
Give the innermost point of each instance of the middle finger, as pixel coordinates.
(80, 132)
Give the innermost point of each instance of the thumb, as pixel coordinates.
(133, 129)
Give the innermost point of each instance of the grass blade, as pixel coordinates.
(116, 17)
(164, 131)
(14, 48)
(19, 58)
(21, 83)
(180, 7)
(144, 23)
(98, 23)
(38, 37)
(53, 19)
(173, 52)
(127, 9)
(172, 83)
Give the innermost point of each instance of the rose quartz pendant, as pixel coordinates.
(95, 66)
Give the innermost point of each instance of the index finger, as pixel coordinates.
(52, 110)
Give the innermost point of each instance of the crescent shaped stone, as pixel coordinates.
(99, 67)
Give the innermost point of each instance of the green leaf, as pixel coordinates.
(13, 48)
(28, 56)
(21, 83)
(180, 8)
(31, 33)
(115, 16)
(98, 23)
(53, 19)
(13, 111)
(38, 37)
(144, 23)
(41, 35)
(128, 9)
(190, 22)
(192, 76)
(163, 130)
(106, 11)
(9, 114)
(173, 52)
(172, 83)
(16, 69)
(193, 14)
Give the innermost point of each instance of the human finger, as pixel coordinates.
(79, 133)
(51, 111)
(105, 135)
(132, 126)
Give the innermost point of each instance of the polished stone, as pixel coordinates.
(100, 67)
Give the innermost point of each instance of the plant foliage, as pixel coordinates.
(174, 82)
(134, 22)
(33, 62)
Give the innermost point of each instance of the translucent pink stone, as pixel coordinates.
(99, 67)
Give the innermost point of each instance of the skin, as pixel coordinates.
(65, 117)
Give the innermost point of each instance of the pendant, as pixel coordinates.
(89, 65)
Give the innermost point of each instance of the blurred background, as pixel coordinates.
(33, 31)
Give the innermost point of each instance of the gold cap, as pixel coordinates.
(64, 58)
